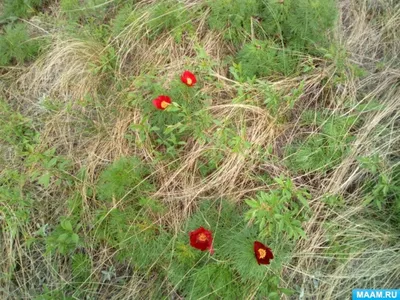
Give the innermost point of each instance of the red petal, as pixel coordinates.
(268, 253)
(198, 244)
(159, 100)
(188, 75)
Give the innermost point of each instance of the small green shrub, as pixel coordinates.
(81, 266)
(71, 8)
(191, 272)
(15, 209)
(265, 58)
(19, 8)
(125, 16)
(50, 294)
(16, 129)
(233, 17)
(381, 184)
(139, 241)
(214, 281)
(48, 168)
(164, 16)
(281, 211)
(126, 175)
(302, 25)
(64, 238)
(323, 150)
(17, 45)
(89, 13)
(81, 269)
(171, 16)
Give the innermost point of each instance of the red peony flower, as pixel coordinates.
(188, 78)
(263, 253)
(201, 239)
(161, 102)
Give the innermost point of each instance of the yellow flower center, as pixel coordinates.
(262, 253)
(202, 237)
(189, 81)
(164, 104)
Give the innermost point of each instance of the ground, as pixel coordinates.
(289, 137)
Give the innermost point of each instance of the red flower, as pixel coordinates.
(161, 102)
(201, 239)
(263, 253)
(188, 78)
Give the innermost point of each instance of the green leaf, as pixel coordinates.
(287, 292)
(262, 224)
(75, 238)
(63, 237)
(252, 203)
(273, 296)
(45, 179)
(66, 225)
(29, 241)
(52, 162)
(303, 200)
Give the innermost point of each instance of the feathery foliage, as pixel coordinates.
(16, 44)
(125, 177)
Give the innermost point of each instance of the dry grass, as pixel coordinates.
(66, 72)
(374, 261)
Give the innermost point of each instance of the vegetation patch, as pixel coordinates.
(217, 149)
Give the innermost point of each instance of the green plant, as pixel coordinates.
(81, 267)
(17, 130)
(281, 211)
(17, 45)
(301, 25)
(190, 271)
(172, 16)
(256, 280)
(15, 209)
(19, 8)
(64, 238)
(139, 241)
(170, 128)
(48, 168)
(214, 281)
(126, 177)
(323, 150)
(234, 17)
(125, 16)
(264, 58)
(381, 183)
(49, 294)
(71, 8)
(107, 62)
(233, 265)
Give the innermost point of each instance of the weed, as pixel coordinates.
(265, 58)
(235, 18)
(14, 9)
(300, 25)
(272, 213)
(16, 44)
(323, 150)
(381, 184)
(124, 178)
(64, 238)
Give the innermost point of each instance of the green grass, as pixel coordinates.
(290, 137)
